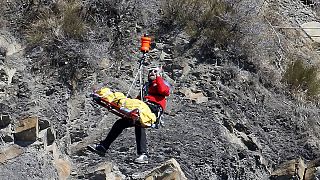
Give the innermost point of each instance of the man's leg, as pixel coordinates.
(141, 140)
(115, 131)
(141, 137)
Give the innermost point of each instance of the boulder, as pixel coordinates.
(101, 171)
(105, 171)
(4, 120)
(106, 167)
(50, 136)
(313, 170)
(312, 30)
(169, 170)
(249, 141)
(290, 169)
(47, 136)
(198, 97)
(9, 153)
(26, 130)
(63, 168)
(6, 134)
(7, 138)
(43, 124)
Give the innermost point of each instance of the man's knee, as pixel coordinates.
(124, 123)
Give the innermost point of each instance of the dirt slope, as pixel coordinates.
(229, 116)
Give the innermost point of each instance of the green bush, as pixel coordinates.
(207, 18)
(303, 78)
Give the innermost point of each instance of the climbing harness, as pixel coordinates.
(159, 111)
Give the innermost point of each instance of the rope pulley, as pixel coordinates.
(145, 43)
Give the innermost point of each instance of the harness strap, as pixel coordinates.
(155, 108)
(158, 111)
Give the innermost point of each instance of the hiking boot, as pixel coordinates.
(142, 159)
(98, 148)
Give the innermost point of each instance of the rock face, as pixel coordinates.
(297, 168)
(4, 121)
(10, 153)
(229, 116)
(27, 130)
(198, 97)
(290, 169)
(63, 167)
(105, 171)
(169, 170)
(312, 30)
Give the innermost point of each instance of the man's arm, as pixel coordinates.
(162, 88)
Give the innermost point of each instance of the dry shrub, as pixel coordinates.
(303, 78)
(72, 23)
(208, 18)
(61, 19)
(43, 29)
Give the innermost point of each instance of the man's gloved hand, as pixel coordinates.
(95, 97)
(89, 95)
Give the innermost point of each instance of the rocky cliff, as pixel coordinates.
(231, 114)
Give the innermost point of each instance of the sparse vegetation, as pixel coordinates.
(303, 78)
(72, 23)
(52, 31)
(208, 18)
(42, 30)
(61, 19)
(56, 27)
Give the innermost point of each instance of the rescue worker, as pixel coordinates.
(154, 92)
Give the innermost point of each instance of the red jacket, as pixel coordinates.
(157, 92)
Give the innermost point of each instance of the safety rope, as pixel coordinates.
(133, 82)
(128, 93)
(145, 48)
(139, 73)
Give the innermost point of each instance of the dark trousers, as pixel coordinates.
(119, 126)
(140, 132)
